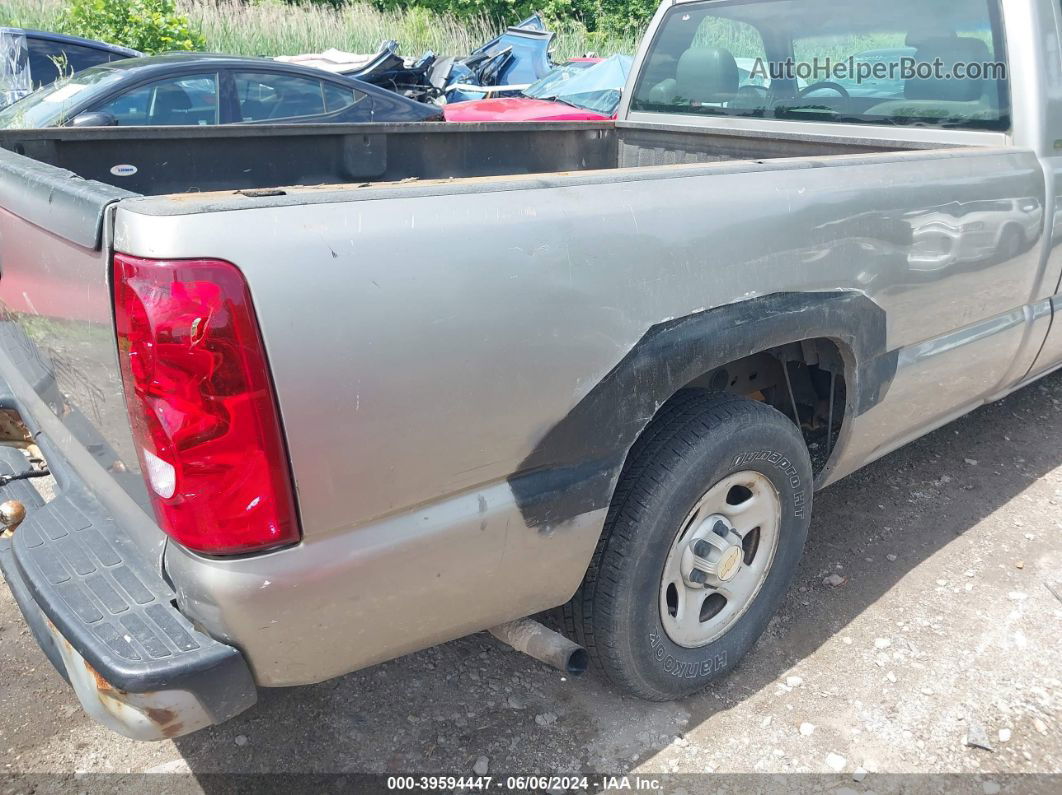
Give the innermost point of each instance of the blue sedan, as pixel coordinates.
(185, 89)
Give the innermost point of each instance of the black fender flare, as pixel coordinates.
(574, 468)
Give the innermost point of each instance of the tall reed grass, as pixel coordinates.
(271, 27)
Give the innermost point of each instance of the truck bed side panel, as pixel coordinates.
(424, 346)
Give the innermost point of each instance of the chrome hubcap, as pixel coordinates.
(720, 558)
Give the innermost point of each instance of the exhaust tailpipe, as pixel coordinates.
(542, 643)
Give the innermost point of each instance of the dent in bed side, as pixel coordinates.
(574, 468)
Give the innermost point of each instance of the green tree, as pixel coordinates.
(151, 26)
(625, 16)
(604, 15)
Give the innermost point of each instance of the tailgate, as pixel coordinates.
(56, 327)
(85, 568)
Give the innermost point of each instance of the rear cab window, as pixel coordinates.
(931, 63)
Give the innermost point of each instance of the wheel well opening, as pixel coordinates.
(803, 380)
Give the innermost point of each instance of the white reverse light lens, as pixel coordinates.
(161, 475)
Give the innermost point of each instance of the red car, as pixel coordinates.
(587, 89)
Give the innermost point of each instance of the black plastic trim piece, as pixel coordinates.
(574, 468)
(55, 199)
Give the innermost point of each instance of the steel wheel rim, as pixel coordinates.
(720, 558)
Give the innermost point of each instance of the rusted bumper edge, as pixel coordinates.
(107, 621)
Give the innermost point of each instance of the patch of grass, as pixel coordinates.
(274, 28)
(36, 14)
(271, 27)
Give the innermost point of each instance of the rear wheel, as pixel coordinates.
(704, 535)
(1011, 242)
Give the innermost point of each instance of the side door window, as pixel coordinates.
(339, 97)
(274, 97)
(50, 60)
(175, 101)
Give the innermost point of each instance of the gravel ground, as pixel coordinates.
(926, 619)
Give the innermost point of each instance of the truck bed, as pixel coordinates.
(197, 159)
(461, 339)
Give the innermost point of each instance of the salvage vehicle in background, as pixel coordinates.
(585, 90)
(183, 89)
(30, 59)
(517, 58)
(507, 63)
(316, 397)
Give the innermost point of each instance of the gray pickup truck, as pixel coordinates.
(317, 397)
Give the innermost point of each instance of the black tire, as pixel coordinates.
(699, 439)
(1011, 243)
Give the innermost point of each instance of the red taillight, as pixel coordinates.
(200, 399)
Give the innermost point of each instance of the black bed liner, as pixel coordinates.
(169, 160)
(196, 159)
